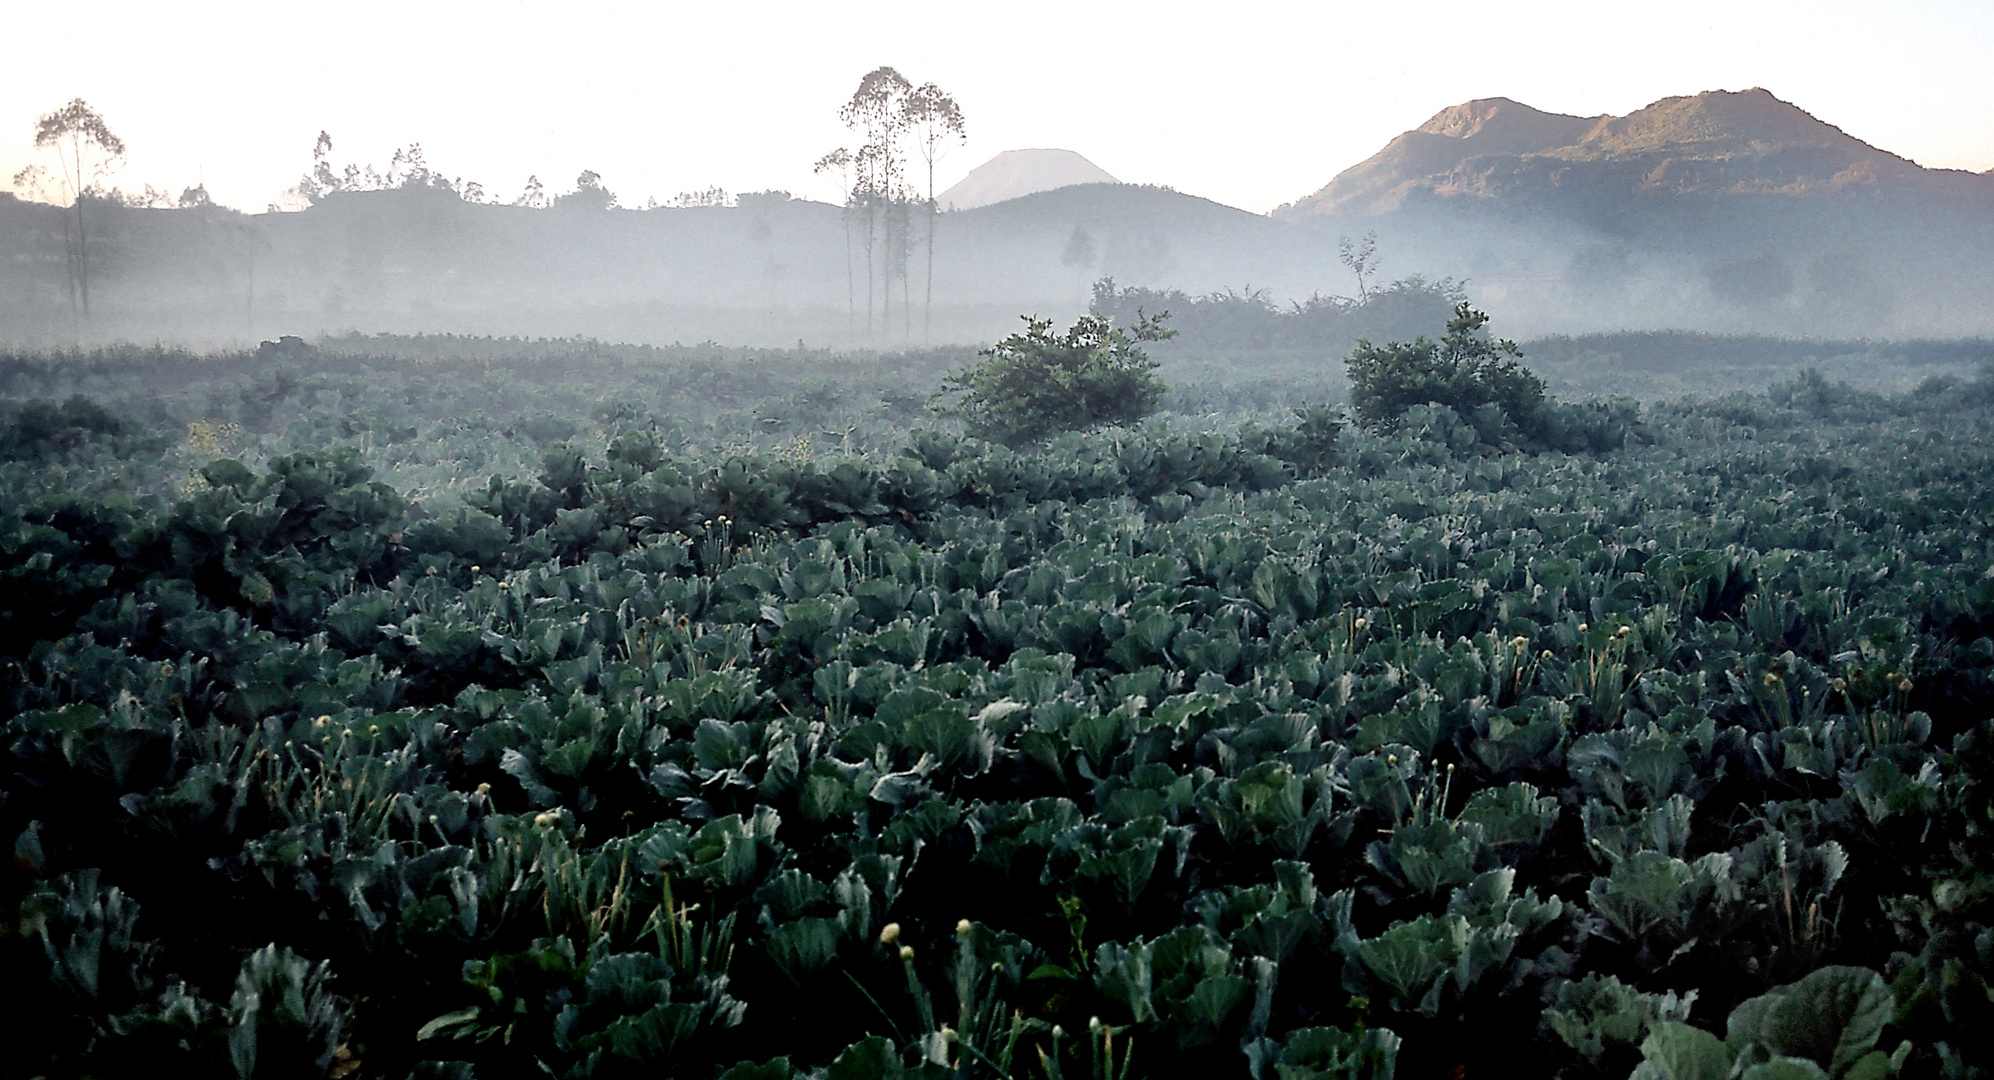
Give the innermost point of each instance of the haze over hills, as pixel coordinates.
(1016, 173)
(1711, 144)
(1721, 211)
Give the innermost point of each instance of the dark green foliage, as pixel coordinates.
(1246, 321)
(1037, 383)
(1666, 350)
(1278, 751)
(1583, 427)
(42, 429)
(1470, 391)
(1309, 445)
(1463, 371)
(1825, 1026)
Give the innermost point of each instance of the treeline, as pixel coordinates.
(449, 375)
(1666, 350)
(1249, 319)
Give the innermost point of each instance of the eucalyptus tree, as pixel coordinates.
(322, 180)
(935, 120)
(840, 160)
(86, 151)
(1362, 260)
(876, 112)
(534, 196)
(250, 236)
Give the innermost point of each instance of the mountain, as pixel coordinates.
(1721, 210)
(1434, 155)
(1015, 173)
(1710, 145)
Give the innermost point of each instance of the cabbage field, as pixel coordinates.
(445, 708)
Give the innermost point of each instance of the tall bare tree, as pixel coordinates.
(865, 206)
(840, 160)
(876, 111)
(935, 121)
(87, 151)
(1362, 259)
(251, 236)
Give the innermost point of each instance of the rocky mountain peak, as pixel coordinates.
(1501, 126)
(1719, 143)
(1716, 122)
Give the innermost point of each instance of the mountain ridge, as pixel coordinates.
(1714, 143)
(1724, 212)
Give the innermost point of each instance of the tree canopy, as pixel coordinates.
(1041, 382)
(1464, 370)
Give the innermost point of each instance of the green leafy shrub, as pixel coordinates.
(1464, 371)
(1037, 383)
(1581, 427)
(40, 429)
(1495, 400)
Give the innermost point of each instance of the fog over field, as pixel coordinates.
(1027, 541)
(1725, 212)
(1570, 189)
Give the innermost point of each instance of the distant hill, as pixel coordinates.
(1720, 212)
(768, 271)
(1726, 211)
(1713, 144)
(1016, 173)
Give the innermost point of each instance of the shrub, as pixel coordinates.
(1484, 384)
(43, 428)
(1577, 427)
(1463, 371)
(1038, 383)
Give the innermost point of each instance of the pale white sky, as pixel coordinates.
(1252, 104)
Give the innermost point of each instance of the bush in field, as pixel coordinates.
(1039, 383)
(1464, 371)
(43, 428)
(1483, 383)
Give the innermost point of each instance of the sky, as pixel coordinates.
(1249, 104)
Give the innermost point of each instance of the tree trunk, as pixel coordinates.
(69, 269)
(906, 286)
(851, 287)
(82, 259)
(888, 252)
(928, 300)
(868, 265)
